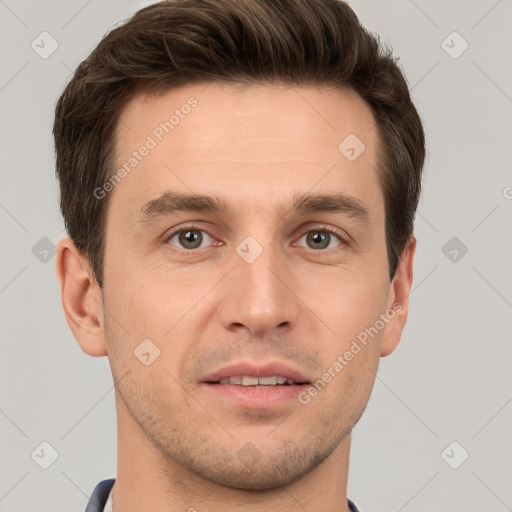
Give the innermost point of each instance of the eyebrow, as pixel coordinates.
(172, 203)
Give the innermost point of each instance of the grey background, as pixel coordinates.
(450, 378)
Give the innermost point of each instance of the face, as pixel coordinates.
(276, 272)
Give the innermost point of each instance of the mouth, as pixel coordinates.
(259, 382)
(256, 386)
(251, 373)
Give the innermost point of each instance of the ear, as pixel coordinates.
(82, 298)
(398, 300)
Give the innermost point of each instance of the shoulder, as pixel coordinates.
(99, 495)
(352, 507)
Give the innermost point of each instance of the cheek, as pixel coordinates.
(138, 296)
(163, 307)
(347, 301)
(351, 307)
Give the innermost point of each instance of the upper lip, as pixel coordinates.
(253, 369)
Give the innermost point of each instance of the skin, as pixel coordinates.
(256, 146)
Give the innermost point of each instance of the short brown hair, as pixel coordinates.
(179, 42)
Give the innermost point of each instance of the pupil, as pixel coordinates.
(318, 237)
(190, 237)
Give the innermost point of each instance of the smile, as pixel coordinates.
(245, 380)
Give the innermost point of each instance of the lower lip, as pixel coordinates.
(253, 397)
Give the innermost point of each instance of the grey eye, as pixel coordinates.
(320, 239)
(189, 238)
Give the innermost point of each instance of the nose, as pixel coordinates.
(259, 296)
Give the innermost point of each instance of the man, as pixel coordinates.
(239, 180)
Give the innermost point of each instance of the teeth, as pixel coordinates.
(247, 380)
(268, 381)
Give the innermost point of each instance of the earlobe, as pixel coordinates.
(81, 297)
(398, 303)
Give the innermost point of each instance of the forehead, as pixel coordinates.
(258, 143)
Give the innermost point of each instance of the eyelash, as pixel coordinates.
(192, 227)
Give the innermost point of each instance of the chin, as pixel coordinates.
(252, 480)
(268, 472)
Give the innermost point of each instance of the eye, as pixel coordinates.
(321, 238)
(189, 238)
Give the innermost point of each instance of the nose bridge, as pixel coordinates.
(260, 299)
